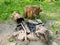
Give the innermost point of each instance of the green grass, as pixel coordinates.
(50, 11)
(8, 6)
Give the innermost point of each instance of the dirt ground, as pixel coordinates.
(7, 28)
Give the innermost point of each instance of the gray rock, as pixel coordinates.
(32, 22)
(40, 29)
(32, 36)
(19, 34)
(39, 21)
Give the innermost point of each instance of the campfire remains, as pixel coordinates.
(30, 30)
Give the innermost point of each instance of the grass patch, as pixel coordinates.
(56, 25)
(8, 6)
(50, 10)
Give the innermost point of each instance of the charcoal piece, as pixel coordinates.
(19, 27)
(31, 26)
(19, 20)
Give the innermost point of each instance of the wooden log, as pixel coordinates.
(26, 29)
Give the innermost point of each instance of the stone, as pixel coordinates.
(40, 29)
(32, 36)
(15, 15)
(43, 32)
(17, 32)
(21, 35)
(32, 22)
(39, 21)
